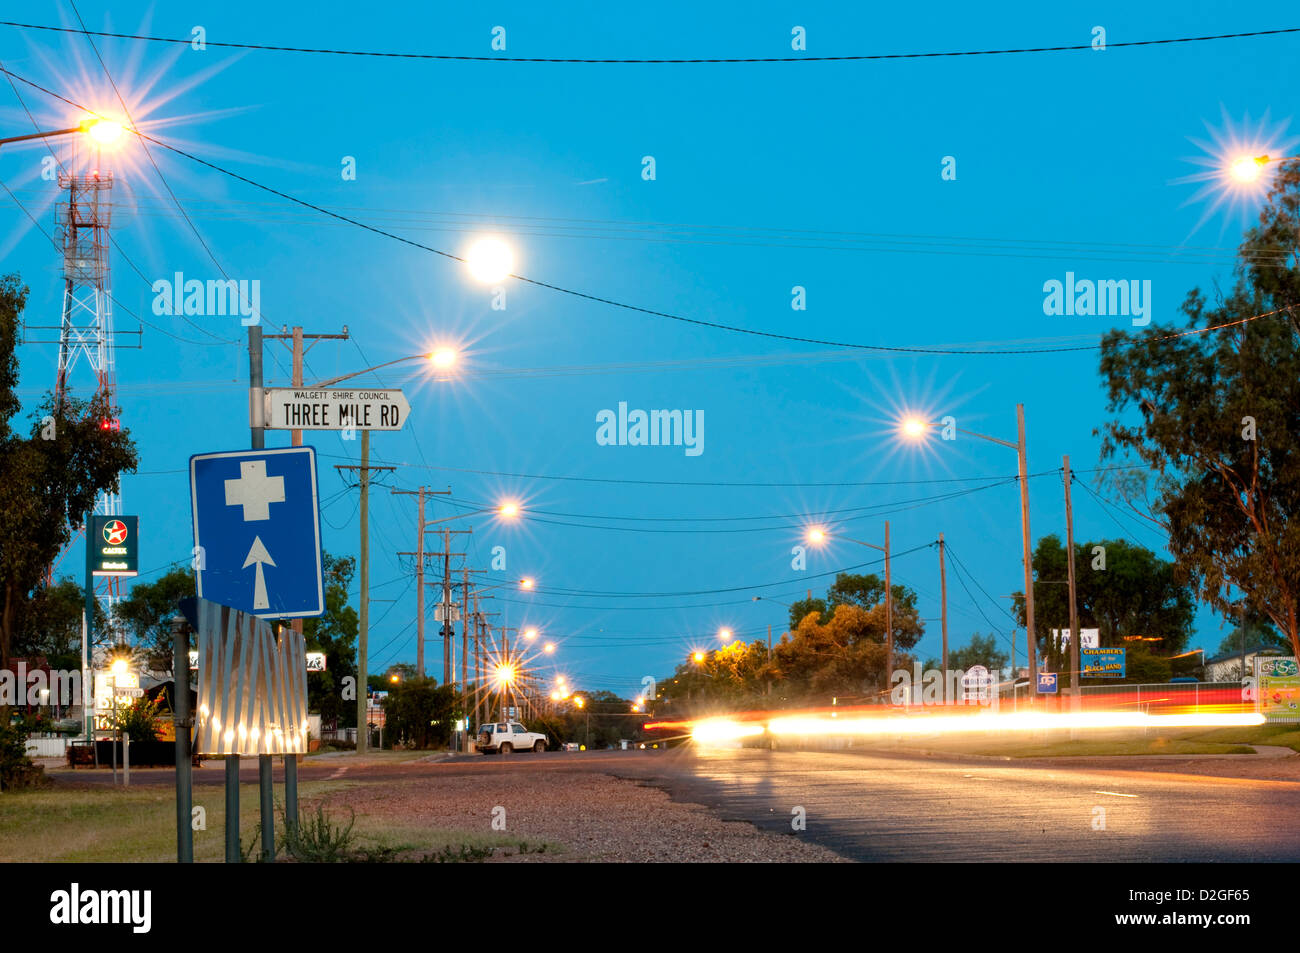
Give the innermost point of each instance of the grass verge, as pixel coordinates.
(102, 824)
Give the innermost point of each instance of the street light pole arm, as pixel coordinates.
(40, 135)
(344, 377)
(981, 436)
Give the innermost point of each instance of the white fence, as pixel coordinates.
(47, 747)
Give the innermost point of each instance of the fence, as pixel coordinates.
(1159, 697)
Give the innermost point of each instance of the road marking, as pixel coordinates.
(1114, 794)
(337, 774)
(974, 777)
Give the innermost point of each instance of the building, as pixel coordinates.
(1235, 665)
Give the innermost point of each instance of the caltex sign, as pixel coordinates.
(112, 547)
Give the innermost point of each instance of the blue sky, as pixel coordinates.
(825, 176)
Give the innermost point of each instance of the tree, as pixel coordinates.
(334, 632)
(49, 624)
(981, 650)
(421, 712)
(1256, 634)
(1218, 431)
(50, 478)
(146, 612)
(866, 591)
(845, 655)
(1136, 594)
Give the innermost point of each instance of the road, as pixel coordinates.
(877, 807)
(874, 806)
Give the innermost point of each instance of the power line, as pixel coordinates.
(859, 57)
(651, 312)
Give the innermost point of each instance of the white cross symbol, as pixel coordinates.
(254, 490)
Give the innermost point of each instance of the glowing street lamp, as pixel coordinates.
(725, 634)
(530, 633)
(549, 648)
(527, 582)
(916, 429)
(698, 658)
(1247, 169)
(104, 132)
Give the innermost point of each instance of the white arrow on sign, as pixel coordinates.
(257, 555)
(334, 409)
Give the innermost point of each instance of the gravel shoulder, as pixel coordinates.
(592, 817)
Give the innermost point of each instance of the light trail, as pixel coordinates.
(951, 720)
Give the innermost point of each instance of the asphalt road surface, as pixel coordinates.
(873, 806)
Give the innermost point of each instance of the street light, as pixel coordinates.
(917, 428)
(1247, 169)
(105, 132)
(818, 535)
(698, 658)
(725, 634)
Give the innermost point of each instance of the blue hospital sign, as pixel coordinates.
(257, 531)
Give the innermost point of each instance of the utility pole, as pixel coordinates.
(363, 631)
(464, 656)
(444, 601)
(447, 631)
(943, 612)
(419, 573)
(295, 440)
(257, 437)
(889, 618)
(1075, 667)
(1023, 467)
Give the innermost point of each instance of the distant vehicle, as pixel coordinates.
(570, 746)
(505, 737)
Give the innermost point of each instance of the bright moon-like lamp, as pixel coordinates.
(816, 535)
(509, 510)
(119, 666)
(914, 427)
(1248, 168)
(105, 132)
(698, 657)
(549, 647)
(490, 260)
(527, 582)
(724, 634)
(443, 357)
(530, 633)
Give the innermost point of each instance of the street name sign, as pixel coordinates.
(335, 409)
(257, 531)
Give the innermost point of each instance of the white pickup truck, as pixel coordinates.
(505, 737)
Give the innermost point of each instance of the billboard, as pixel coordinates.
(1102, 663)
(1277, 687)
